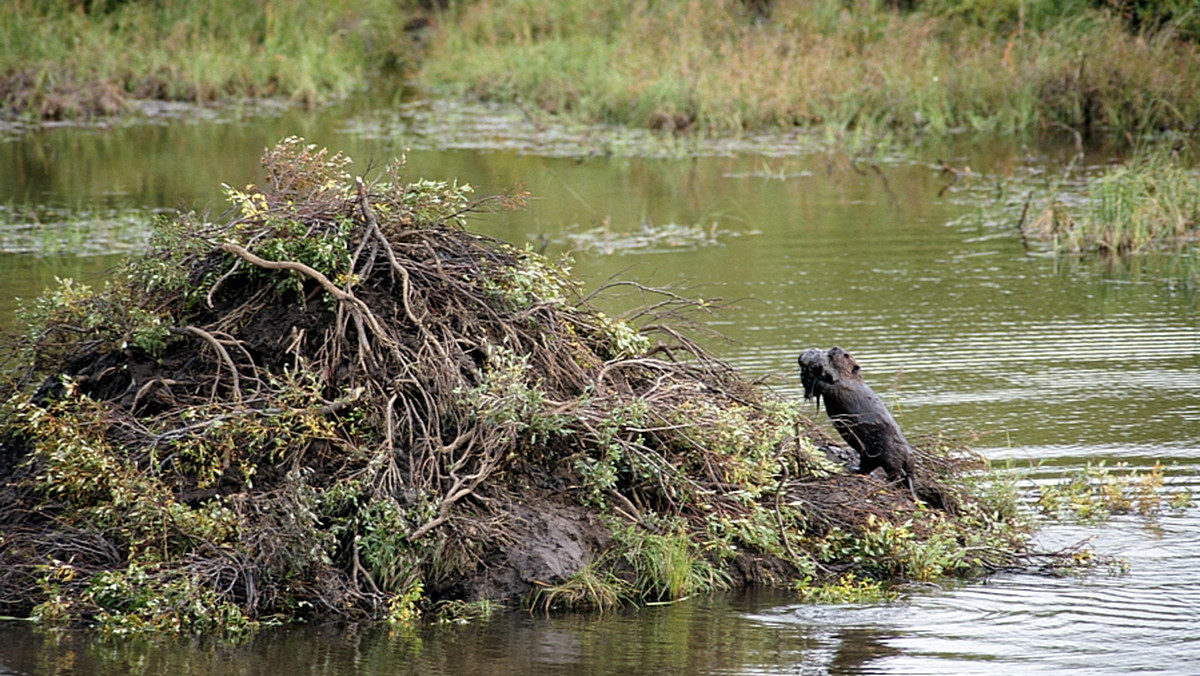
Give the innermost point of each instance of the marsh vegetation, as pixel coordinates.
(731, 66)
(715, 67)
(1149, 203)
(72, 59)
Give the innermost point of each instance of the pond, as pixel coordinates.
(1043, 363)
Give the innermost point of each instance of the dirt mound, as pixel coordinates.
(337, 402)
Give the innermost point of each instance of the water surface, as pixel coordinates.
(961, 328)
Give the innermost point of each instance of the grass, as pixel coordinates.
(1149, 203)
(70, 59)
(945, 67)
(590, 587)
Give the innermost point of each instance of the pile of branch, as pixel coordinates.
(346, 384)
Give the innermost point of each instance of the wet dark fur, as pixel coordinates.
(857, 412)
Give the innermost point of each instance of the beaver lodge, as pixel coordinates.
(338, 403)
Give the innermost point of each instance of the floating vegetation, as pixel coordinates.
(451, 124)
(648, 238)
(56, 231)
(848, 588)
(1097, 492)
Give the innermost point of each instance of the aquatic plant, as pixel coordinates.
(1096, 492)
(849, 588)
(338, 403)
(76, 230)
(1149, 203)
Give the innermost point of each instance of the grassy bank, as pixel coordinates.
(727, 66)
(717, 67)
(73, 58)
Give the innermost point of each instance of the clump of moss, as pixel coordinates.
(338, 403)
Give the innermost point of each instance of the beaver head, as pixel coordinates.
(820, 369)
(844, 364)
(815, 369)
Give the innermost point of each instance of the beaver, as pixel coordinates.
(857, 413)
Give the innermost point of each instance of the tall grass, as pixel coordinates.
(719, 66)
(1151, 202)
(66, 58)
(714, 65)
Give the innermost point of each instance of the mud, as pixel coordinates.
(539, 542)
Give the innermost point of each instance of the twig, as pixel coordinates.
(630, 511)
(221, 352)
(217, 284)
(361, 310)
(1021, 221)
(368, 214)
(462, 487)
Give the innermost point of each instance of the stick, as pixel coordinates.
(361, 309)
(221, 352)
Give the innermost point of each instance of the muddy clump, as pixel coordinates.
(337, 402)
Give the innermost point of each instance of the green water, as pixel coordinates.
(958, 326)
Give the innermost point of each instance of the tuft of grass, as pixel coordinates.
(1151, 202)
(655, 563)
(668, 566)
(593, 587)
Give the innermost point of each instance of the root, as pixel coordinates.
(222, 353)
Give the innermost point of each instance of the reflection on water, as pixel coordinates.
(1141, 622)
(958, 327)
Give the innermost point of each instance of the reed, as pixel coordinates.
(1151, 202)
(721, 67)
(717, 67)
